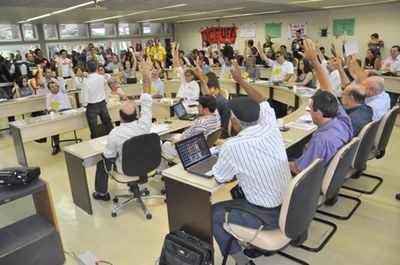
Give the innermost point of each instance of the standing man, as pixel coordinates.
(297, 45)
(93, 98)
(257, 158)
(269, 45)
(65, 64)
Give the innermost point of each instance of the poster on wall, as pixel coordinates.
(273, 30)
(248, 30)
(341, 25)
(219, 34)
(295, 27)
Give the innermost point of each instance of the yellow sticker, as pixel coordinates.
(151, 90)
(116, 70)
(277, 71)
(225, 75)
(132, 76)
(112, 99)
(245, 75)
(54, 105)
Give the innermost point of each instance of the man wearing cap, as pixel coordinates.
(257, 158)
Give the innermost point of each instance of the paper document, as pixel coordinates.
(157, 128)
(301, 125)
(351, 48)
(305, 118)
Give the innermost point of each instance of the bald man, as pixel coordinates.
(353, 101)
(130, 127)
(376, 98)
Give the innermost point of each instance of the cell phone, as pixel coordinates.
(168, 122)
(284, 129)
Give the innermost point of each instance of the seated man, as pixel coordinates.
(130, 127)
(391, 66)
(56, 101)
(115, 66)
(157, 86)
(353, 101)
(282, 70)
(257, 158)
(334, 125)
(208, 121)
(226, 64)
(377, 98)
(251, 69)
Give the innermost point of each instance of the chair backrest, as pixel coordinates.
(385, 128)
(367, 136)
(337, 169)
(225, 93)
(141, 154)
(69, 83)
(72, 100)
(213, 137)
(301, 200)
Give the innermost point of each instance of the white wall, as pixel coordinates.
(381, 19)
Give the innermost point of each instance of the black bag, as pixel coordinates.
(237, 193)
(183, 249)
(132, 80)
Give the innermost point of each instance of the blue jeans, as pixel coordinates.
(240, 218)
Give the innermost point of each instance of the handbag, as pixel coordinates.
(181, 248)
(237, 193)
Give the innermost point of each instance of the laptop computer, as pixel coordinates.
(195, 155)
(181, 113)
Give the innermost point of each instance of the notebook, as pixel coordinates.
(181, 113)
(195, 155)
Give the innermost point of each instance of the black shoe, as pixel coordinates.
(56, 149)
(398, 196)
(98, 196)
(253, 253)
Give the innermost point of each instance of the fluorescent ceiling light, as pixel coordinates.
(59, 11)
(306, 1)
(251, 14)
(192, 14)
(135, 13)
(359, 4)
(196, 19)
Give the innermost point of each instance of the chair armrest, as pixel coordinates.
(256, 213)
(109, 159)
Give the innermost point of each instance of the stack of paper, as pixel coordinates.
(157, 128)
(301, 125)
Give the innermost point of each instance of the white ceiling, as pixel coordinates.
(12, 11)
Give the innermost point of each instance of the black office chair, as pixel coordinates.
(140, 157)
(298, 210)
(367, 137)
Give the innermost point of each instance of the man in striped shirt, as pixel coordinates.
(208, 121)
(256, 157)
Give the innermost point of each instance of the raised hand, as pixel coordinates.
(236, 73)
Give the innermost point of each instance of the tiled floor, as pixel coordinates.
(370, 237)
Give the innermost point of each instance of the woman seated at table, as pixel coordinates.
(115, 93)
(157, 65)
(304, 75)
(371, 61)
(129, 71)
(188, 89)
(22, 88)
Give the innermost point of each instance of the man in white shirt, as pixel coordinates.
(57, 100)
(257, 158)
(130, 127)
(391, 67)
(65, 64)
(333, 74)
(157, 86)
(93, 97)
(282, 70)
(376, 98)
(226, 65)
(98, 58)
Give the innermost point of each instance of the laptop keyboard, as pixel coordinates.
(204, 166)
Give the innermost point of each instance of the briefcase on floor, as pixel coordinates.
(181, 248)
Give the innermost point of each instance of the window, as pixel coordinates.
(9, 32)
(167, 28)
(102, 30)
(50, 32)
(29, 32)
(129, 29)
(73, 31)
(152, 28)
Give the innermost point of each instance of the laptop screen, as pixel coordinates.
(193, 150)
(179, 109)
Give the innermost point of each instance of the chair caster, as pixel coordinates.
(115, 200)
(149, 216)
(146, 192)
(163, 191)
(113, 214)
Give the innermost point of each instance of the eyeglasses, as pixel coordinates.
(346, 94)
(188, 75)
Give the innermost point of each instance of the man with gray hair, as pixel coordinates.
(257, 158)
(376, 98)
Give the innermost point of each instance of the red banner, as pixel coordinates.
(219, 34)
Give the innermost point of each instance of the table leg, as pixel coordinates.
(19, 146)
(189, 209)
(78, 182)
